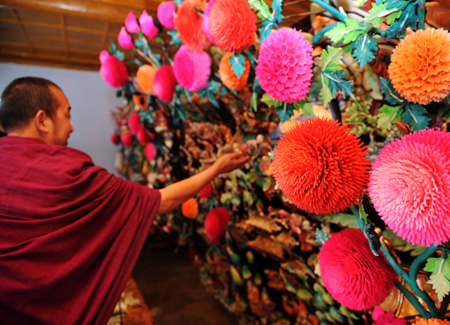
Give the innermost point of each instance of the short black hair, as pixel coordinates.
(23, 98)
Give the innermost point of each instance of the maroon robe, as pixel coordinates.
(70, 234)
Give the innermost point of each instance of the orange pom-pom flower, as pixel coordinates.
(228, 76)
(321, 166)
(232, 24)
(431, 321)
(189, 208)
(145, 76)
(420, 66)
(188, 24)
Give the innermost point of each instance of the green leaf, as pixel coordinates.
(408, 18)
(338, 82)
(321, 237)
(325, 91)
(394, 3)
(307, 108)
(393, 16)
(348, 31)
(434, 263)
(237, 62)
(262, 9)
(437, 278)
(285, 112)
(379, 12)
(365, 49)
(387, 115)
(331, 58)
(175, 38)
(266, 29)
(269, 101)
(392, 96)
(362, 214)
(414, 115)
(277, 10)
(178, 2)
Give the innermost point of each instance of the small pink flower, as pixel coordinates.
(148, 26)
(382, 318)
(131, 23)
(112, 70)
(134, 122)
(150, 151)
(125, 40)
(166, 11)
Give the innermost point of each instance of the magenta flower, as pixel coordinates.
(410, 186)
(125, 40)
(165, 13)
(131, 23)
(148, 26)
(205, 23)
(285, 65)
(164, 83)
(112, 70)
(382, 318)
(150, 151)
(192, 69)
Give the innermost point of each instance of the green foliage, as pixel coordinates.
(210, 92)
(325, 92)
(321, 237)
(365, 47)
(347, 31)
(401, 245)
(114, 51)
(414, 115)
(332, 59)
(409, 17)
(392, 96)
(387, 115)
(272, 20)
(305, 106)
(337, 80)
(175, 39)
(440, 275)
(237, 62)
(269, 101)
(178, 2)
(262, 9)
(286, 112)
(379, 12)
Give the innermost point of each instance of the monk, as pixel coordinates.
(70, 232)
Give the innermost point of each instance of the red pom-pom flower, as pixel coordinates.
(188, 24)
(320, 166)
(351, 273)
(216, 224)
(285, 65)
(207, 191)
(232, 24)
(112, 70)
(192, 69)
(164, 83)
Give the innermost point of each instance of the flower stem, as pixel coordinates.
(330, 9)
(412, 299)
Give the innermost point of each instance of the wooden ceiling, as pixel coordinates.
(71, 33)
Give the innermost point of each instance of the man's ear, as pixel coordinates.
(41, 120)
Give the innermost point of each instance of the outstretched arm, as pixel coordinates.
(175, 194)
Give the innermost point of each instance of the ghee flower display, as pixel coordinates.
(410, 186)
(131, 23)
(148, 26)
(232, 24)
(144, 77)
(164, 83)
(112, 70)
(420, 66)
(125, 40)
(188, 24)
(321, 166)
(352, 275)
(192, 69)
(165, 14)
(189, 208)
(285, 65)
(216, 224)
(227, 75)
(431, 321)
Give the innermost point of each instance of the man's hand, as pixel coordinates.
(230, 162)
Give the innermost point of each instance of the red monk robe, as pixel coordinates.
(70, 234)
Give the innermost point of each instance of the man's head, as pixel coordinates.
(36, 107)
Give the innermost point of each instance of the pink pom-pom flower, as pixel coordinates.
(127, 139)
(112, 70)
(207, 191)
(192, 69)
(164, 83)
(150, 151)
(285, 65)
(232, 24)
(165, 13)
(131, 23)
(148, 26)
(142, 135)
(216, 224)
(410, 186)
(134, 122)
(125, 40)
(352, 275)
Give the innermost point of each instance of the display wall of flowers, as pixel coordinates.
(342, 214)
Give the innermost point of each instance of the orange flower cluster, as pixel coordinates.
(420, 66)
(189, 208)
(228, 76)
(432, 321)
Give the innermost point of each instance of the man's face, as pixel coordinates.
(61, 127)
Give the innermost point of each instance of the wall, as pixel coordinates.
(91, 100)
